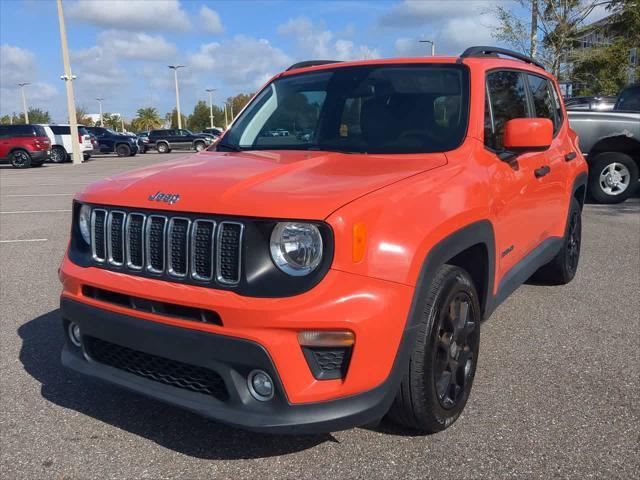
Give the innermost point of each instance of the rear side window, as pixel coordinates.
(507, 99)
(24, 130)
(60, 130)
(39, 131)
(544, 103)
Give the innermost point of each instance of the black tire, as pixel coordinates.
(20, 159)
(564, 266)
(163, 147)
(58, 154)
(613, 177)
(86, 156)
(123, 150)
(199, 146)
(446, 349)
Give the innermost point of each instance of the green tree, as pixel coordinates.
(111, 121)
(172, 119)
(236, 104)
(552, 25)
(36, 115)
(147, 119)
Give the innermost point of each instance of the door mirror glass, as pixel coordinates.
(528, 134)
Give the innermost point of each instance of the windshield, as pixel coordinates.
(372, 109)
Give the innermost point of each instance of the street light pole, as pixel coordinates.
(433, 46)
(24, 101)
(100, 99)
(210, 91)
(175, 74)
(68, 78)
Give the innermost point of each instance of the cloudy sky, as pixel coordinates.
(120, 49)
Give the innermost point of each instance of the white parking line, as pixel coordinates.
(34, 211)
(25, 240)
(40, 195)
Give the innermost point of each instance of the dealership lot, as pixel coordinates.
(556, 393)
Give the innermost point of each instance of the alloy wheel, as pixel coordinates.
(615, 178)
(57, 155)
(20, 159)
(455, 355)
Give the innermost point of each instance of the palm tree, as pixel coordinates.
(148, 117)
(111, 121)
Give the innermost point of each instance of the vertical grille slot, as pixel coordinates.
(115, 237)
(98, 239)
(202, 249)
(134, 241)
(155, 243)
(228, 252)
(178, 246)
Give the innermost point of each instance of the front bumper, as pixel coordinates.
(232, 358)
(265, 330)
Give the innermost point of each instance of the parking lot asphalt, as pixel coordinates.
(557, 391)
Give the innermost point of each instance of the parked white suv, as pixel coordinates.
(60, 136)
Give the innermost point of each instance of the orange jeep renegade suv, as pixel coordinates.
(322, 276)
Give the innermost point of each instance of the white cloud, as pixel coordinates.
(18, 65)
(133, 15)
(314, 41)
(136, 46)
(210, 20)
(242, 62)
(453, 25)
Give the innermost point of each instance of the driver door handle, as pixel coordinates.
(542, 171)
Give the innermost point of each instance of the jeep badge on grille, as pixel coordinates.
(169, 198)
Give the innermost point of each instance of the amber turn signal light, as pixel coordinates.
(319, 338)
(359, 242)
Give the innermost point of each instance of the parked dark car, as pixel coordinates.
(143, 141)
(213, 131)
(180, 139)
(24, 146)
(114, 142)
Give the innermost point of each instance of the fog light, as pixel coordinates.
(260, 385)
(74, 334)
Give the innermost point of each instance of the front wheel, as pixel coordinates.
(439, 375)
(613, 177)
(58, 154)
(123, 150)
(163, 147)
(20, 159)
(199, 146)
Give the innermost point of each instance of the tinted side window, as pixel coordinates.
(4, 131)
(21, 130)
(629, 99)
(543, 100)
(508, 99)
(60, 130)
(39, 131)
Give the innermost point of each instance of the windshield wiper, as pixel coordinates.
(229, 146)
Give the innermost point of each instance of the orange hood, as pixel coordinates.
(277, 184)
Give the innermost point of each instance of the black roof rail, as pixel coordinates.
(484, 51)
(311, 63)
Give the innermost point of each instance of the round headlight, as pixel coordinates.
(296, 248)
(84, 222)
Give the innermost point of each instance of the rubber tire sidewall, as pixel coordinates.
(64, 154)
(26, 165)
(416, 405)
(598, 164)
(120, 148)
(195, 146)
(165, 144)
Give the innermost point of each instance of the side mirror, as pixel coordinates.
(528, 135)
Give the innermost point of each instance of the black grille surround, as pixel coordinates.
(163, 370)
(223, 252)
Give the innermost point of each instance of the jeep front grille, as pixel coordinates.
(167, 245)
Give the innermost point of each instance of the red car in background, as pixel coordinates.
(24, 146)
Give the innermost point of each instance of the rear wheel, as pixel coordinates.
(58, 154)
(613, 177)
(440, 372)
(20, 159)
(123, 150)
(564, 266)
